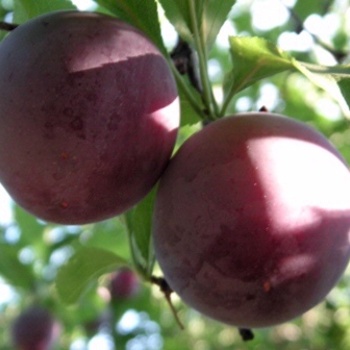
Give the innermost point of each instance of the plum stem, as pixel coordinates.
(263, 109)
(167, 291)
(8, 26)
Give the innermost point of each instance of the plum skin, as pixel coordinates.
(252, 219)
(89, 113)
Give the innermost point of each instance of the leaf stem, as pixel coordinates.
(134, 254)
(236, 88)
(185, 89)
(207, 96)
(228, 100)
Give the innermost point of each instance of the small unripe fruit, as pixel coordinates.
(88, 113)
(34, 329)
(252, 219)
(124, 284)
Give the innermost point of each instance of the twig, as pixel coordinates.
(339, 55)
(263, 109)
(246, 334)
(8, 26)
(167, 291)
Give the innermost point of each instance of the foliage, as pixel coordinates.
(66, 268)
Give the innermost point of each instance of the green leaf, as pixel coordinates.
(31, 228)
(210, 16)
(109, 235)
(178, 14)
(84, 267)
(253, 59)
(142, 14)
(17, 274)
(214, 15)
(186, 132)
(26, 9)
(189, 115)
(334, 80)
(139, 222)
(344, 86)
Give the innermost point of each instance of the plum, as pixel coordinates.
(89, 113)
(124, 284)
(34, 329)
(252, 219)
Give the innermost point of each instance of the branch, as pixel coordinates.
(339, 55)
(167, 291)
(246, 334)
(8, 26)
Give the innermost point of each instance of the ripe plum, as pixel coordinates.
(88, 116)
(252, 219)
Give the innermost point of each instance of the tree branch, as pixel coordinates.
(246, 334)
(339, 55)
(8, 26)
(167, 291)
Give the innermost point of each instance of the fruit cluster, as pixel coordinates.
(252, 214)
